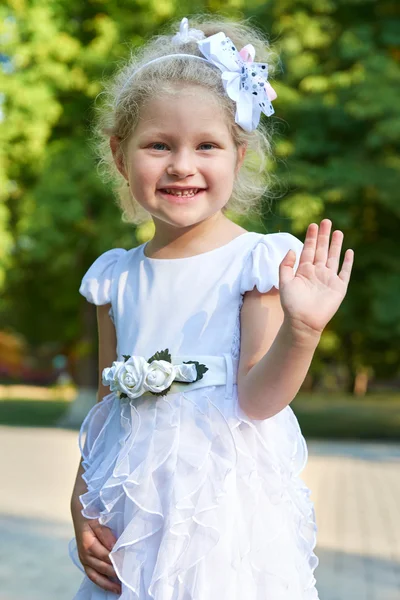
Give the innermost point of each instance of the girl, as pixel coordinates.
(189, 487)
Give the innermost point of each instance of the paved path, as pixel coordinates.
(358, 538)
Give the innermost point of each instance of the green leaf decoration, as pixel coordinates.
(126, 357)
(122, 395)
(164, 392)
(200, 368)
(161, 355)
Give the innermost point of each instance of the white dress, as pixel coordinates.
(206, 504)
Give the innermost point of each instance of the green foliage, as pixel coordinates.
(31, 413)
(56, 214)
(376, 417)
(337, 147)
(338, 92)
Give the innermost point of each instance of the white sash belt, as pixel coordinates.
(222, 370)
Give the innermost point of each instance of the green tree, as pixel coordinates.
(338, 151)
(337, 146)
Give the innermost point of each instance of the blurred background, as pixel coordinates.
(337, 148)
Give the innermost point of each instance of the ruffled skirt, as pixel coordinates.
(205, 503)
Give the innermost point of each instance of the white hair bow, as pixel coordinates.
(244, 80)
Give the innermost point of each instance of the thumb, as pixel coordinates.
(286, 273)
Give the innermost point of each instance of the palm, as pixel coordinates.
(311, 296)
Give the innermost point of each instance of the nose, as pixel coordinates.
(182, 164)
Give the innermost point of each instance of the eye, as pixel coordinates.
(158, 146)
(207, 146)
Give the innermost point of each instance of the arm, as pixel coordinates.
(281, 330)
(107, 354)
(94, 541)
(272, 357)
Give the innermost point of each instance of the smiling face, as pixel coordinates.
(181, 159)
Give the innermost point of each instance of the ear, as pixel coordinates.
(115, 145)
(241, 153)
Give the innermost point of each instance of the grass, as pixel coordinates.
(375, 417)
(31, 413)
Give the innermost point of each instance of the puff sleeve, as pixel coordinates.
(96, 283)
(261, 268)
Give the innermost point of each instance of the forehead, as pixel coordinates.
(191, 110)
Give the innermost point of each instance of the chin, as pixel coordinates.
(183, 223)
(180, 219)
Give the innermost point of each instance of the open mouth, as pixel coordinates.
(181, 196)
(186, 193)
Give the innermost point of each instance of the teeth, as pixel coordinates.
(184, 193)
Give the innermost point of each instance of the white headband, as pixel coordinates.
(245, 81)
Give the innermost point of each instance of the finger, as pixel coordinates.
(321, 251)
(334, 250)
(310, 242)
(101, 566)
(104, 534)
(95, 548)
(289, 259)
(286, 273)
(102, 581)
(347, 265)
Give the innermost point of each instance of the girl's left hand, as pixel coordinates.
(311, 296)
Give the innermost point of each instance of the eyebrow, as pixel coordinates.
(203, 135)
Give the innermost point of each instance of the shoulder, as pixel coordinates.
(261, 264)
(96, 283)
(273, 243)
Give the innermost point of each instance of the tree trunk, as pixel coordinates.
(361, 381)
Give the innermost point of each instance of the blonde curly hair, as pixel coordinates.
(126, 93)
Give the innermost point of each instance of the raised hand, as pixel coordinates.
(311, 296)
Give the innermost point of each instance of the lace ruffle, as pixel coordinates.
(204, 502)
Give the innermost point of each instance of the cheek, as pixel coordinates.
(145, 172)
(223, 172)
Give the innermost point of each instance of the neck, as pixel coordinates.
(193, 239)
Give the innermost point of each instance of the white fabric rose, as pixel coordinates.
(186, 373)
(131, 376)
(159, 376)
(110, 376)
(135, 376)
